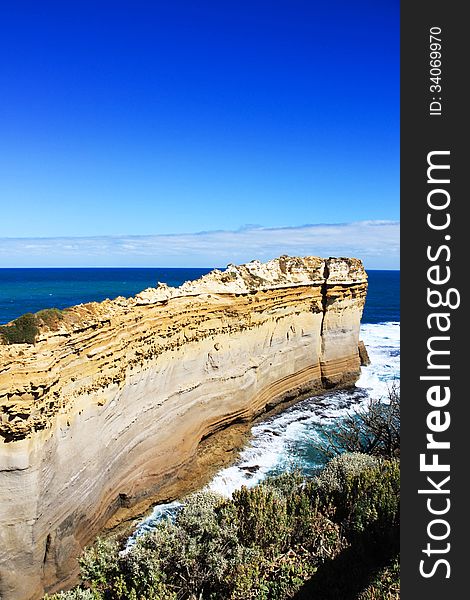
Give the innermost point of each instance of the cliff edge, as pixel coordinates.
(113, 398)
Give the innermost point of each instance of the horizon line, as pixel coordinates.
(148, 267)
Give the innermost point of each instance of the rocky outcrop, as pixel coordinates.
(112, 401)
(363, 354)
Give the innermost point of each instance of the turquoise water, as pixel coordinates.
(30, 290)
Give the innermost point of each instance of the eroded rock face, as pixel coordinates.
(115, 401)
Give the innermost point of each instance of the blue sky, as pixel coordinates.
(155, 118)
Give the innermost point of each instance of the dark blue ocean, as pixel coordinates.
(30, 290)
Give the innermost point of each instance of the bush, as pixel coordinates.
(374, 431)
(364, 502)
(370, 504)
(275, 579)
(262, 517)
(264, 543)
(363, 496)
(50, 317)
(198, 550)
(99, 563)
(23, 330)
(269, 538)
(342, 468)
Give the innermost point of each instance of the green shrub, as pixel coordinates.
(99, 563)
(271, 580)
(51, 317)
(206, 546)
(262, 517)
(371, 504)
(23, 330)
(363, 497)
(342, 468)
(264, 543)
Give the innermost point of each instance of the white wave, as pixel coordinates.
(383, 345)
(159, 512)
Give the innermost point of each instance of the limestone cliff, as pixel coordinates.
(112, 401)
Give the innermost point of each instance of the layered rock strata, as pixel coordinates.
(109, 404)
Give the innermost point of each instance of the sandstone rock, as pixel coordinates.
(363, 354)
(129, 388)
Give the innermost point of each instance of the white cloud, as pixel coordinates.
(375, 242)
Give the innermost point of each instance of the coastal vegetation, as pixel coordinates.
(373, 430)
(22, 330)
(332, 536)
(25, 329)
